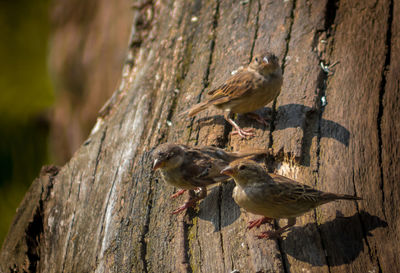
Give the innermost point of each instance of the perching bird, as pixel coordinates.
(251, 88)
(192, 168)
(274, 196)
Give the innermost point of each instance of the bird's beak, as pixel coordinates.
(265, 59)
(157, 164)
(229, 171)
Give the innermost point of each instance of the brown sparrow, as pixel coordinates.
(274, 196)
(194, 168)
(251, 88)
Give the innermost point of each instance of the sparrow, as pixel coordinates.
(194, 168)
(274, 196)
(251, 88)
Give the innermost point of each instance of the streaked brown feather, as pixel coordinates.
(250, 89)
(234, 88)
(276, 196)
(200, 167)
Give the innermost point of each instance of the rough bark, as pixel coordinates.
(106, 211)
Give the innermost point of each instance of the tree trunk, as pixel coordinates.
(334, 128)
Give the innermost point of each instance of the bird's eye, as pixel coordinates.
(242, 167)
(256, 59)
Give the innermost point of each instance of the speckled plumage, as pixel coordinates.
(275, 196)
(192, 168)
(251, 88)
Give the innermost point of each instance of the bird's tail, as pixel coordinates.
(253, 153)
(195, 109)
(349, 197)
(333, 196)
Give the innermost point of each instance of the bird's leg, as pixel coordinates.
(192, 199)
(277, 233)
(257, 223)
(178, 193)
(241, 132)
(190, 203)
(257, 118)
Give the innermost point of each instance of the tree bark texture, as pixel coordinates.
(335, 128)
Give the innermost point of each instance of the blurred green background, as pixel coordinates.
(81, 46)
(25, 95)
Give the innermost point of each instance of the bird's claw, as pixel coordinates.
(257, 223)
(258, 118)
(178, 193)
(243, 132)
(185, 206)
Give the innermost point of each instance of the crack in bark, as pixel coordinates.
(71, 182)
(221, 240)
(103, 136)
(205, 82)
(33, 235)
(192, 267)
(182, 69)
(35, 228)
(256, 30)
(228, 127)
(330, 13)
(104, 216)
(365, 232)
(186, 226)
(287, 38)
(381, 95)
(180, 78)
(72, 223)
(329, 28)
(379, 129)
(321, 240)
(143, 243)
(285, 264)
(149, 201)
(321, 93)
(186, 248)
(206, 79)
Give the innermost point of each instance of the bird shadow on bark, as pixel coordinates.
(241, 119)
(343, 240)
(218, 207)
(297, 115)
(292, 116)
(212, 120)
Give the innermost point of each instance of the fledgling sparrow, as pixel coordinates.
(194, 168)
(251, 88)
(274, 196)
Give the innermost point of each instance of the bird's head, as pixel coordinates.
(168, 156)
(265, 63)
(244, 171)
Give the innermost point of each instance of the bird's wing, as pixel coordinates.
(216, 153)
(288, 190)
(228, 157)
(282, 190)
(201, 169)
(234, 88)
